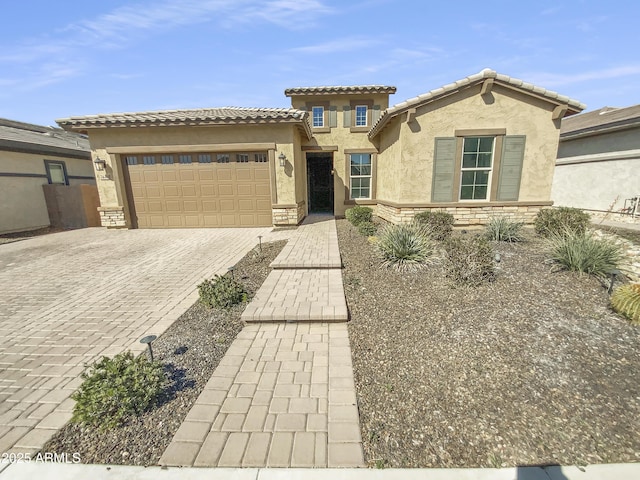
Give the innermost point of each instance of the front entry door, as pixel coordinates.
(320, 182)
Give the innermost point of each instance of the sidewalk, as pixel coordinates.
(284, 393)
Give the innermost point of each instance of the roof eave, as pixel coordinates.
(599, 130)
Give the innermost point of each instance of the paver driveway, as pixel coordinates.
(69, 297)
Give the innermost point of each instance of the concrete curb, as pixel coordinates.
(62, 471)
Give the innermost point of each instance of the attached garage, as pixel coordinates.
(199, 190)
(204, 168)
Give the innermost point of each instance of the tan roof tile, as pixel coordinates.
(341, 90)
(574, 105)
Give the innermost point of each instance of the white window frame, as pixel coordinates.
(489, 169)
(359, 116)
(352, 176)
(320, 110)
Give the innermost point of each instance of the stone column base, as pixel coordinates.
(112, 217)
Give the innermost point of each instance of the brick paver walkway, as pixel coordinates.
(69, 297)
(284, 394)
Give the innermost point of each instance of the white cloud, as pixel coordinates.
(339, 45)
(556, 80)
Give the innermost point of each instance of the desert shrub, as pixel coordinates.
(358, 214)
(626, 301)
(368, 229)
(114, 389)
(583, 252)
(502, 229)
(405, 247)
(550, 221)
(221, 291)
(469, 260)
(440, 223)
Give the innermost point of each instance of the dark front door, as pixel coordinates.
(320, 182)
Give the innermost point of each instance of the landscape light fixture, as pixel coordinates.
(283, 159)
(100, 164)
(260, 242)
(612, 275)
(147, 340)
(231, 269)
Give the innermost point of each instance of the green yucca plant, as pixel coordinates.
(502, 229)
(626, 301)
(405, 247)
(585, 253)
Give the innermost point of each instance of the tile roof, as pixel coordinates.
(574, 105)
(605, 118)
(22, 136)
(200, 116)
(340, 90)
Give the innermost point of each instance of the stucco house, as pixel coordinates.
(33, 156)
(598, 162)
(483, 145)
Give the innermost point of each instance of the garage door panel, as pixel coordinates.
(171, 191)
(227, 205)
(188, 190)
(225, 190)
(200, 195)
(245, 190)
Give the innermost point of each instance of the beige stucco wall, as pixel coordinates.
(22, 198)
(408, 161)
(601, 180)
(341, 137)
(112, 190)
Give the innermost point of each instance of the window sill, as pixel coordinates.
(321, 130)
(359, 129)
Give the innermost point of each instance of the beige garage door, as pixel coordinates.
(200, 190)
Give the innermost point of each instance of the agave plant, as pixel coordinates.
(405, 247)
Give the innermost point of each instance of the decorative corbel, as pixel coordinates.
(487, 85)
(559, 112)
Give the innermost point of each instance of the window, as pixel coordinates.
(361, 116)
(261, 158)
(56, 172)
(318, 117)
(184, 158)
(167, 159)
(149, 160)
(131, 160)
(477, 159)
(360, 175)
(242, 157)
(222, 158)
(204, 158)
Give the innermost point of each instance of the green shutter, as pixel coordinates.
(511, 168)
(375, 114)
(444, 167)
(333, 117)
(346, 120)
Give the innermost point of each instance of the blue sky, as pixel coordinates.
(80, 57)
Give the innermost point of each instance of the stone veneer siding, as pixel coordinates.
(288, 215)
(112, 217)
(467, 215)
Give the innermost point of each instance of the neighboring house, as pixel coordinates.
(32, 156)
(598, 164)
(481, 146)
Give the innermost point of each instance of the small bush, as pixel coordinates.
(583, 252)
(626, 301)
(440, 223)
(358, 214)
(502, 229)
(551, 221)
(368, 229)
(469, 260)
(405, 247)
(115, 389)
(221, 291)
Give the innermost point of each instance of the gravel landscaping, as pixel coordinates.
(191, 348)
(530, 369)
